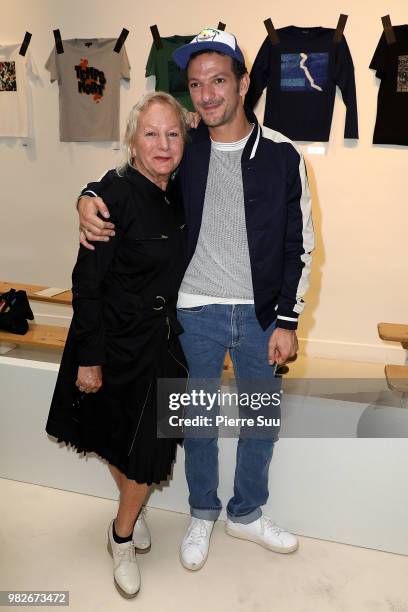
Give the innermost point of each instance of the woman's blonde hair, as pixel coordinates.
(143, 104)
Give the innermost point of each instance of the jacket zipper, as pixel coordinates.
(140, 418)
(182, 365)
(162, 237)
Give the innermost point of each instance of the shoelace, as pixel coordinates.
(197, 531)
(128, 552)
(268, 524)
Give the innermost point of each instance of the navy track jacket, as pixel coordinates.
(277, 212)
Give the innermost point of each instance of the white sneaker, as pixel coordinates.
(125, 568)
(195, 544)
(141, 534)
(265, 532)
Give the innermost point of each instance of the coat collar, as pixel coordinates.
(137, 178)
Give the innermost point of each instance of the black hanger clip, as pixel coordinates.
(272, 33)
(25, 43)
(340, 28)
(58, 42)
(221, 26)
(121, 40)
(388, 30)
(156, 37)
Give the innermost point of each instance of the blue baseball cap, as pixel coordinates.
(208, 39)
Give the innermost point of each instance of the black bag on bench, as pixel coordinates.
(14, 312)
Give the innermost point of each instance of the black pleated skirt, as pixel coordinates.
(119, 422)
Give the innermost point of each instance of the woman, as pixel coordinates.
(123, 334)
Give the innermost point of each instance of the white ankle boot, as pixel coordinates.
(125, 568)
(141, 534)
(195, 544)
(265, 532)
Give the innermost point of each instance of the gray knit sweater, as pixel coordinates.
(220, 265)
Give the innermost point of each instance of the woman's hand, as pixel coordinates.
(89, 379)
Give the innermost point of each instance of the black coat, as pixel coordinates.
(124, 301)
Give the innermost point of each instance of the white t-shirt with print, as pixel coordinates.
(14, 70)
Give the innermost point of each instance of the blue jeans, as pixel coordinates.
(209, 332)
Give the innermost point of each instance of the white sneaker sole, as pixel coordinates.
(244, 536)
(142, 551)
(193, 567)
(118, 587)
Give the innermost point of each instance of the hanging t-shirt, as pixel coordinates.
(88, 74)
(300, 75)
(168, 75)
(14, 70)
(391, 65)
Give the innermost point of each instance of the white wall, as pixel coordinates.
(360, 203)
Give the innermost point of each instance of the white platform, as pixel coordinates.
(342, 489)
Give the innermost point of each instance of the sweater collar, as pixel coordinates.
(201, 134)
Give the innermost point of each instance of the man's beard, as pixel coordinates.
(220, 120)
(207, 118)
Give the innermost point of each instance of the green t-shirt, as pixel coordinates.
(168, 75)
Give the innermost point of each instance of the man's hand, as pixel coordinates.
(91, 227)
(89, 379)
(193, 119)
(283, 344)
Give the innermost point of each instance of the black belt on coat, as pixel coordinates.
(159, 305)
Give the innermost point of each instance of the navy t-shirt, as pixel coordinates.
(300, 75)
(391, 65)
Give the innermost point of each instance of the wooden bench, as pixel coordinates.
(39, 336)
(47, 336)
(396, 332)
(397, 377)
(64, 298)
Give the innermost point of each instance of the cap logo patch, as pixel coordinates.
(206, 34)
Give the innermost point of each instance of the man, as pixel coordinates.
(250, 235)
